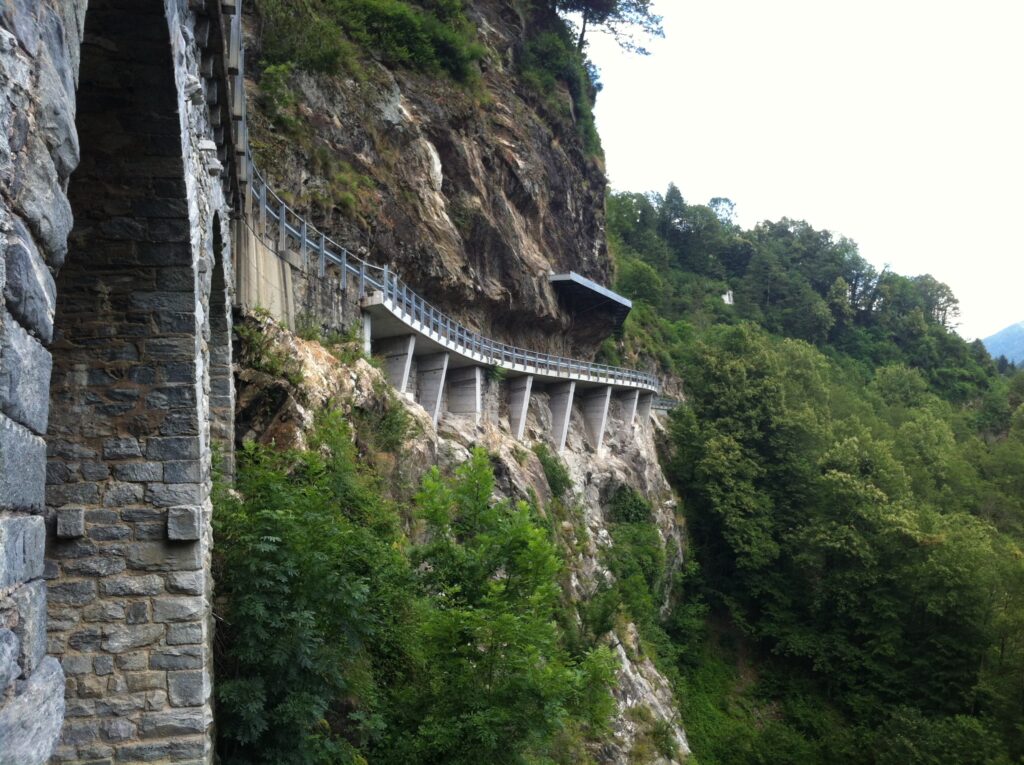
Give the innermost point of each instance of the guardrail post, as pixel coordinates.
(385, 283)
(282, 229)
(304, 246)
(322, 256)
(263, 208)
(362, 280)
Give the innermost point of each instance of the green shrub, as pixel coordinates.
(340, 642)
(550, 59)
(559, 480)
(315, 35)
(628, 506)
(310, 586)
(385, 424)
(260, 352)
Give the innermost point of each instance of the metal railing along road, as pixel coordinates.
(273, 213)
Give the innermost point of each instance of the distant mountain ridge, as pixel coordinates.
(1008, 342)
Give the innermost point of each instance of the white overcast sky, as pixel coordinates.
(897, 123)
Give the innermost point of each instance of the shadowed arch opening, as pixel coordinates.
(126, 478)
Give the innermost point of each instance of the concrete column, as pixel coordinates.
(644, 407)
(464, 391)
(367, 320)
(519, 389)
(630, 399)
(595, 414)
(561, 411)
(430, 383)
(397, 353)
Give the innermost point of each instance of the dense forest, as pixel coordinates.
(852, 477)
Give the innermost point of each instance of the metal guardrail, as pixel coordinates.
(311, 244)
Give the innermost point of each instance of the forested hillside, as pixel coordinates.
(853, 479)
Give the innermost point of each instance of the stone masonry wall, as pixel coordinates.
(39, 43)
(141, 386)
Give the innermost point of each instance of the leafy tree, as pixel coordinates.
(625, 20)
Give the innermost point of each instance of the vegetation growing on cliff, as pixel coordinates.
(343, 642)
(851, 472)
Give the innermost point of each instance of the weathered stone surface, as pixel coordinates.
(76, 665)
(71, 522)
(163, 724)
(30, 722)
(145, 681)
(118, 730)
(188, 471)
(103, 611)
(121, 448)
(152, 556)
(139, 471)
(55, 91)
(188, 689)
(101, 565)
(22, 541)
(132, 585)
(24, 376)
(73, 593)
(167, 751)
(19, 17)
(30, 602)
(119, 494)
(41, 201)
(184, 657)
(137, 613)
(117, 639)
(184, 634)
(10, 650)
(184, 522)
(103, 665)
(173, 448)
(29, 291)
(172, 494)
(187, 582)
(22, 467)
(170, 609)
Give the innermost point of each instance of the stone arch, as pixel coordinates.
(128, 445)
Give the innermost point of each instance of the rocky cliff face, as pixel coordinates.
(467, 191)
(273, 411)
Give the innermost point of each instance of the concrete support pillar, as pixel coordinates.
(561, 396)
(432, 370)
(644, 407)
(465, 386)
(519, 389)
(367, 333)
(595, 414)
(397, 353)
(629, 399)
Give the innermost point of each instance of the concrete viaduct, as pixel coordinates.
(131, 220)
